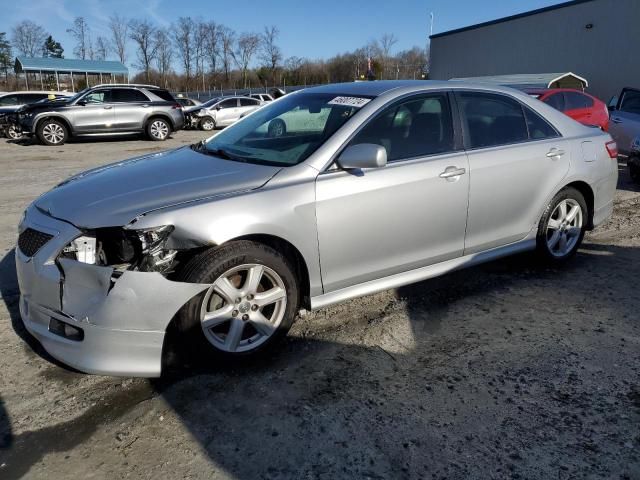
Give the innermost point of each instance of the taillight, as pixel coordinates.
(176, 105)
(612, 149)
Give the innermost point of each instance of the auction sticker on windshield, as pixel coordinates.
(357, 102)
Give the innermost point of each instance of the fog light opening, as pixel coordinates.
(65, 330)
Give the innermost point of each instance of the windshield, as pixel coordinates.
(208, 103)
(288, 131)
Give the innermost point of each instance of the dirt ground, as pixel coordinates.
(507, 370)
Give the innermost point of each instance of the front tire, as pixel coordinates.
(52, 132)
(251, 303)
(207, 124)
(158, 129)
(12, 132)
(562, 226)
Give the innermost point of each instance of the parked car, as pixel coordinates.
(220, 112)
(12, 102)
(222, 243)
(625, 128)
(104, 109)
(188, 102)
(263, 97)
(580, 106)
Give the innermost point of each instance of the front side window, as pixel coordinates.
(128, 95)
(287, 132)
(492, 119)
(630, 102)
(97, 97)
(415, 127)
(576, 101)
(231, 103)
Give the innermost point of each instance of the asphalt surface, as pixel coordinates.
(507, 370)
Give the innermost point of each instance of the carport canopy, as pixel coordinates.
(68, 66)
(533, 80)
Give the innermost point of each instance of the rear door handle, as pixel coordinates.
(451, 172)
(145, 106)
(555, 153)
(616, 120)
(108, 107)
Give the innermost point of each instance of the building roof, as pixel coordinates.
(512, 17)
(64, 65)
(529, 80)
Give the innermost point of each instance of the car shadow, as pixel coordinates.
(129, 137)
(624, 178)
(6, 437)
(453, 377)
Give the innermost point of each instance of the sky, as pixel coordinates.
(313, 29)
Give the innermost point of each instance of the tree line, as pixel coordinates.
(198, 54)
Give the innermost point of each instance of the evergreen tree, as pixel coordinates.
(51, 48)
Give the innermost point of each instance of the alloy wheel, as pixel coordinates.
(159, 130)
(243, 308)
(53, 133)
(208, 125)
(564, 227)
(13, 133)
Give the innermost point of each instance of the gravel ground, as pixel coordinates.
(507, 370)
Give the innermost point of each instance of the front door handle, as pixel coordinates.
(145, 106)
(616, 120)
(452, 172)
(555, 153)
(108, 107)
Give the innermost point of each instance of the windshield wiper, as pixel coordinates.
(217, 152)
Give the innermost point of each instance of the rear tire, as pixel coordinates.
(52, 132)
(251, 303)
(277, 128)
(12, 132)
(562, 226)
(158, 129)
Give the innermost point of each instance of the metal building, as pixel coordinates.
(67, 73)
(595, 39)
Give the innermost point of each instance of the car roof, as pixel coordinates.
(31, 92)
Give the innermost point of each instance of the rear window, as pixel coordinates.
(163, 94)
(556, 101)
(126, 95)
(575, 101)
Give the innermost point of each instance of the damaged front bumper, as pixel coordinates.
(119, 322)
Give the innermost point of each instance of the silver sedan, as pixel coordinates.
(321, 196)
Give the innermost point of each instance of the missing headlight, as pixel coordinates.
(123, 249)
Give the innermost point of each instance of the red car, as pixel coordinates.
(578, 105)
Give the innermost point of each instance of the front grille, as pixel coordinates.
(30, 241)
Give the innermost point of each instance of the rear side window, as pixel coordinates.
(492, 119)
(575, 101)
(630, 102)
(9, 100)
(556, 101)
(127, 95)
(248, 102)
(538, 127)
(415, 127)
(33, 97)
(165, 95)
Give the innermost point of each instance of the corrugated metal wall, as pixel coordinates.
(552, 41)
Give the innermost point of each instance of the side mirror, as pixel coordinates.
(365, 155)
(218, 107)
(81, 102)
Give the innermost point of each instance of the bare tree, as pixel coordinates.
(212, 45)
(227, 39)
(164, 53)
(82, 34)
(386, 43)
(246, 48)
(102, 48)
(199, 44)
(28, 38)
(271, 54)
(142, 32)
(119, 27)
(183, 38)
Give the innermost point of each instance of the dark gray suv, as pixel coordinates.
(104, 109)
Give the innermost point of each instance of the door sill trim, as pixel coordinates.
(419, 274)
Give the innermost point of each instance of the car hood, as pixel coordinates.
(115, 194)
(48, 105)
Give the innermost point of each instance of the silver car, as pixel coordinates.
(221, 112)
(381, 185)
